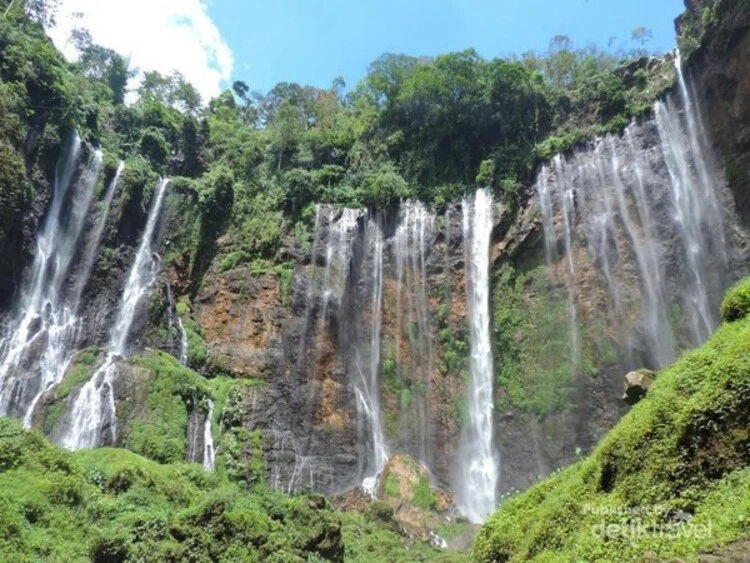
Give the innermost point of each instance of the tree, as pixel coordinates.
(40, 11)
(106, 65)
(172, 90)
(642, 36)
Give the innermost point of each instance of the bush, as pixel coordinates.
(736, 303)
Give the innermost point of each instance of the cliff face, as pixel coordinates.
(353, 344)
(720, 69)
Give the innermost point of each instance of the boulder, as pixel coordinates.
(637, 384)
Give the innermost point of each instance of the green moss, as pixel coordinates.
(736, 302)
(683, 448)
(197, 350)
(233, 260)
(285, 272)
(79, 373)
(534, 364)
(391, 487)
(374, 538)
(424, 497)
(160, 435)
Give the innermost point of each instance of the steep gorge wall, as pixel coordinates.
(300, 331)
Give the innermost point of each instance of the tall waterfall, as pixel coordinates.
(479, 467)
(413, 330)
(93, 409)
(646, 209)
(367, 387)
(36, 351)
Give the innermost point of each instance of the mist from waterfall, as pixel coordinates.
(413, 330)
(647, 206)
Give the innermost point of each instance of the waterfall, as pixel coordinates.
(172, 316)
(368, 381)
(412, 318)
(183, 342)
(92, 248)
(37, 348)
(646, 209)
(338, 254)
(479, 466)
(93, 409)
(142, 276)
(208, 439)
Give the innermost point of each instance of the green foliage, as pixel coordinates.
(375, 538)
(160, 434)
(246, 168)
(110, 505)
(285, 271)
(232, 260)
(424, 497)
(533, 363)
(391, 486)
(197, 351)
(736, 302)
(682, 448)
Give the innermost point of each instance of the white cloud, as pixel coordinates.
(161, 35)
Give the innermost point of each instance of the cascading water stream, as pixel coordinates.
(93, 409)
(412, 318)
(367, 388)
(650, 211)
(38, 346)
(208, 439)
(478, 460)
(92, 248)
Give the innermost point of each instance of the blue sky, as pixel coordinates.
(313, 41)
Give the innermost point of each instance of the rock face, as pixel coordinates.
(355, 338)
(637, 384)
(405, 487)
(720, 68)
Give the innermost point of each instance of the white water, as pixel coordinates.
(92, 248)
(478, 460)
(412, 318)
(368, 388)
(37, 348)
(183, 342)
(208, 439)
(94, 405)
(142, 276)
(643, 207)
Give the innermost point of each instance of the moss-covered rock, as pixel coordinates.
(736, 302)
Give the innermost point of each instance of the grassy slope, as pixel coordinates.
(685, 447)
(113, 505)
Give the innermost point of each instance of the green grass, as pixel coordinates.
(171, 387)
(113, 505)
(685, 447)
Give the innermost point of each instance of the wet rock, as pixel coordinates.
(417, 505)
(637, 384)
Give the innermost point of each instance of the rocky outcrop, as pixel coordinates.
(720, 68)
(637, 384)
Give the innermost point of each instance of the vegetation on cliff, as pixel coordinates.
(671, 478)
(113, 505)
(248, 165)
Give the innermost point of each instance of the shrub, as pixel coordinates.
(736, 303)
